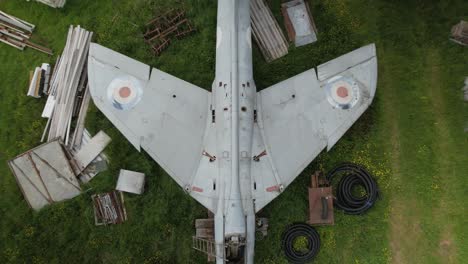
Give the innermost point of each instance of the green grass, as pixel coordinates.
(411, 138)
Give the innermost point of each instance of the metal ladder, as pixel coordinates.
(206, 246)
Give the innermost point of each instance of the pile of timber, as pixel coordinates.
(16, 33)
(68, 92)
(460, 33)
(39, 81)
(109, 208)
(160, 31)
(53, 3)
(266, 31)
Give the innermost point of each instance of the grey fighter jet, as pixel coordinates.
(233, 149)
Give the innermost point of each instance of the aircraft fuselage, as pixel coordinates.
(234, 98)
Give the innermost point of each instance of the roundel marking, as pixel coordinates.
(124, 92)
(342, 92)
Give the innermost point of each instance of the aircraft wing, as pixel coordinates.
(162, 114)
(299, 117)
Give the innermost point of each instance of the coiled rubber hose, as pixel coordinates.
(294, 232)
(353, 175)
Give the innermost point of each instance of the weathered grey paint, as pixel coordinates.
(211, 144)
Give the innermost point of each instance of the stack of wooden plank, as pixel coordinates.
(39, 81)
(16, 33)
(53, 3)
(68, 92)
(266, 31)
(109, 208)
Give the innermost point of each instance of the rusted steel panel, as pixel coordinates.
(44, 175)
(299, 22)
(320, 202)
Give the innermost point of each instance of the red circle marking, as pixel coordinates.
(124, 92)
(342, 92)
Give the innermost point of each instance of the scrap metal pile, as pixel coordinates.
(49, 173)
(68, 92)
(17, 32)
(109, 208)
(161, 30)
(52, 171)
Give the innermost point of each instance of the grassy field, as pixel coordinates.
(411, 138)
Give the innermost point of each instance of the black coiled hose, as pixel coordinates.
(353, 175)
(294, 232)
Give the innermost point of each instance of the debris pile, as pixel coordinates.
(16, 33)
(109, 208)
(460, 33)
(299, 22)
(39, 81)
(49, 173)
(68, 92)
(96, 166)
(53, 3)
(266, 31)
(89, 152)
(161, 30)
